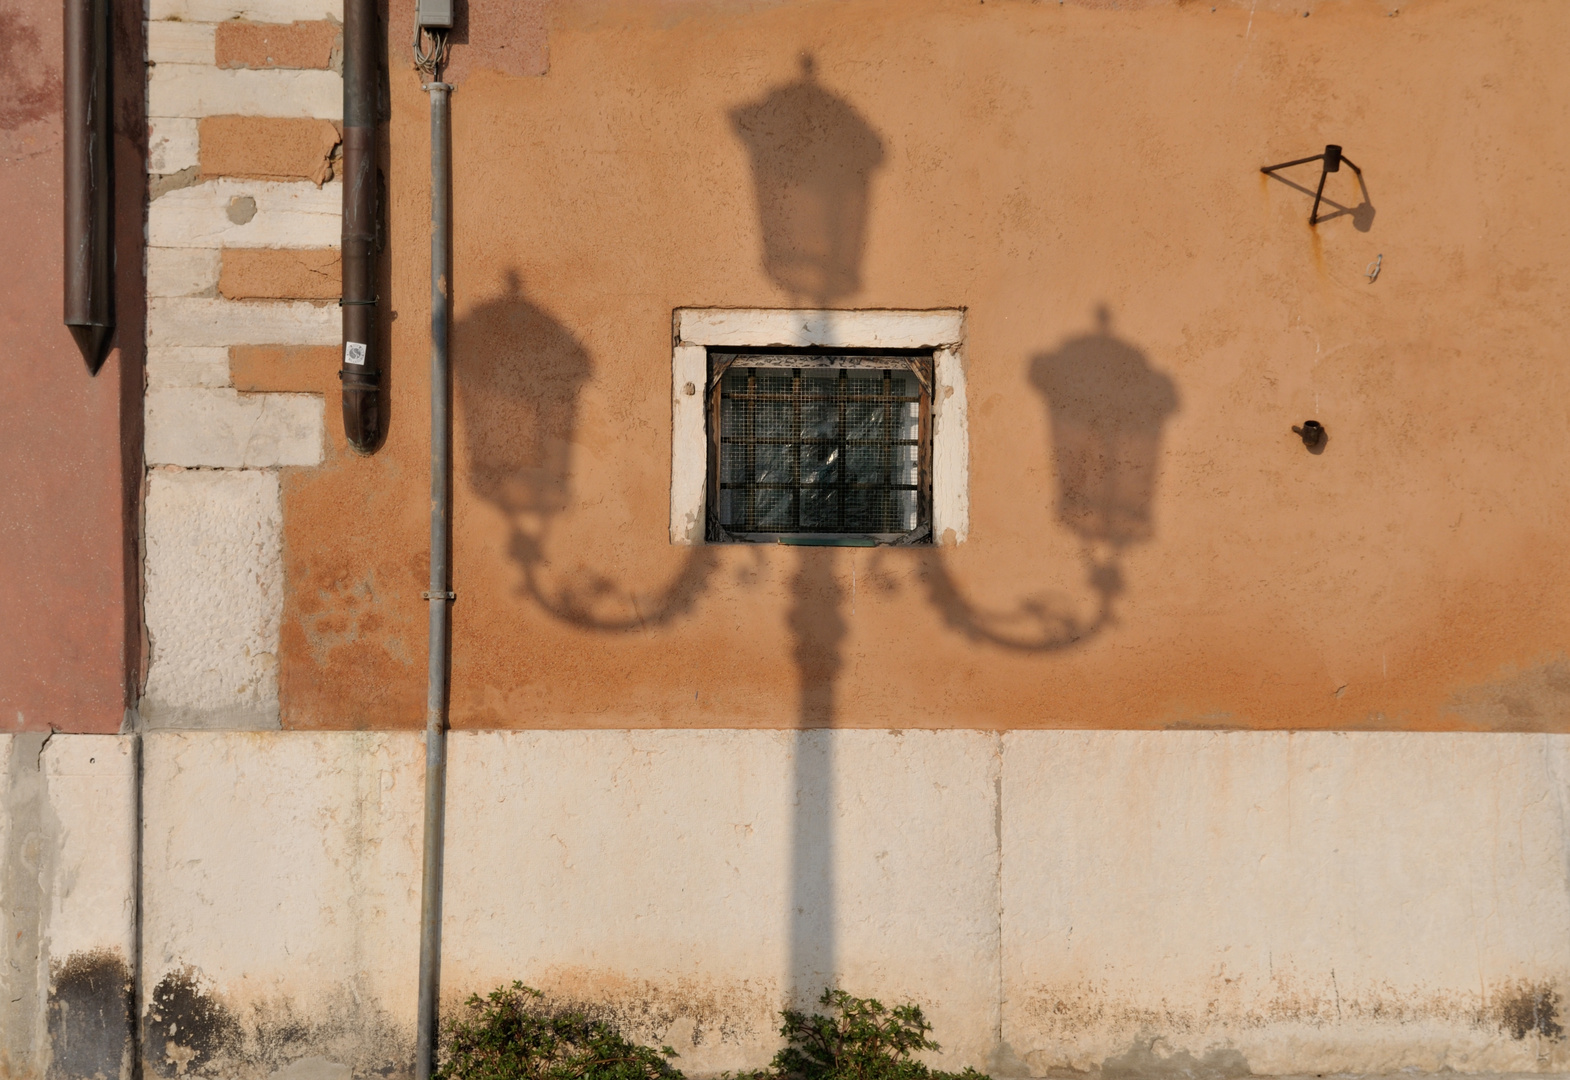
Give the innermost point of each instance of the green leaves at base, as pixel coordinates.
(512, 1034)
(861, 1040)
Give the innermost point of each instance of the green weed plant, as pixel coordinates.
(514, 1034)
(860, 1039)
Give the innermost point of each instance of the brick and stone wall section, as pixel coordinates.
(244, 111)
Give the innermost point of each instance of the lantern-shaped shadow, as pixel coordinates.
(1107, 408)
(813, 156)
(519, 373)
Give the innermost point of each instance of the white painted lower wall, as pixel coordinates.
(1140, 903)
(67, 904)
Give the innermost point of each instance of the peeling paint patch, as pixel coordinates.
(90, 1017)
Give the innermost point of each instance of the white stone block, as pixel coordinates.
(196, 90)
(201, 321)
(1283, 902)
(67, 862)
(278, 11)
(182, 271)
(222, 428)
(247, 213)
(181, 366)
(91, 782)
(214, 573)
(310, 845)
(176, 42)
(172, 145)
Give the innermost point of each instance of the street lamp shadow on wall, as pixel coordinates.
(813, 156)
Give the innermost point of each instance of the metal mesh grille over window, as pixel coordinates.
(820, 445)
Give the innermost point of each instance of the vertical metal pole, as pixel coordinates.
(440, 595)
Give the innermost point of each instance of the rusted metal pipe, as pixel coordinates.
(361, 371)
(89, 181)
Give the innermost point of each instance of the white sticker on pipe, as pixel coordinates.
(354, 353)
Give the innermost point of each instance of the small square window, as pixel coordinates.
(816, 426)
(820, 448)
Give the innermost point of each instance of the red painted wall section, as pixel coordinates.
(69, 443)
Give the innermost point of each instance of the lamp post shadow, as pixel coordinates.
(519, 374)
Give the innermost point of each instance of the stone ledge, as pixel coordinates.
(205, 322)
(171, 42)
(182, 271)
(196, 90)
(170, 366)
(247, 213)
(222, 428)
(217, 11)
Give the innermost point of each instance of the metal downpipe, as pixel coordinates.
(440, 594)
(89, 181)
(361, 361)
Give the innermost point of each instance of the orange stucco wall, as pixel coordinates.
(70, 461)
(1085, 182)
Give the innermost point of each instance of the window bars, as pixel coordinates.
(830, 449)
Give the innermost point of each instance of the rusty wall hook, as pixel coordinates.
(1312, 433)
(1332, 158)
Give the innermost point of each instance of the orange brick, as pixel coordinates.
(280, 274)
(310, 369)
(267, 148)
(278, 45)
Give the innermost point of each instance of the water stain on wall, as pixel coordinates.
(1515, 1011)
(29, 89)
(1148, 1058)
(90, 1017)
(1530, 1010)
(685, 1013)
(1535, 698)
(192, 1030)
(186, 1026)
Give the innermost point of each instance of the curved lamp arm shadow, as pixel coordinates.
(1036, 624)
(582, 602)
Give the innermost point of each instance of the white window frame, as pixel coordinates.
(697, 330)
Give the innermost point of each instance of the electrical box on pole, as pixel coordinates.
(434, 15)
